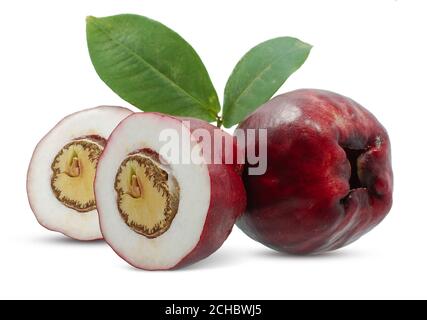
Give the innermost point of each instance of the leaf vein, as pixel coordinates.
(260, 74)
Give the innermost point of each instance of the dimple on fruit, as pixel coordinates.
(329, 178)
(62, 170)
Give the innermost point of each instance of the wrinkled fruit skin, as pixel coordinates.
(329, 178)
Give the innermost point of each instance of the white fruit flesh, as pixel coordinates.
(165, 250)
(60, 173)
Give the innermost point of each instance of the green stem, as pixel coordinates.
(218, 121)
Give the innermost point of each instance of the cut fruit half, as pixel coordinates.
(158, 213)
(62, 171)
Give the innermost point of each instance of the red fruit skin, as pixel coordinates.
(227, 203)
(304, 202)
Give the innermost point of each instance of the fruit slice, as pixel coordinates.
(62, 170)
(157, 213)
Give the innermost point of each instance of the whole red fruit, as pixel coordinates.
(329, 178)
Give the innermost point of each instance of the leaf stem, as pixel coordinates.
(218, 121)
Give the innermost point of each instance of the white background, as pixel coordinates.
(372, 51)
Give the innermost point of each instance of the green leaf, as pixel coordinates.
(259, 74)
(151, 66)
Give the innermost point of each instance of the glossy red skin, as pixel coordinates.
(227, 203)
(303, 203)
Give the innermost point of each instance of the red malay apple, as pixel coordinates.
(328, 179)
